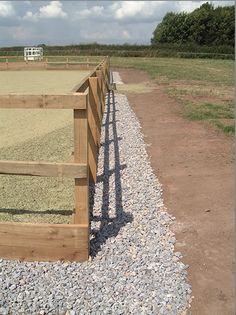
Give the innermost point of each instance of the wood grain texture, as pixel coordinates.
(43, 242)
(99, 95)
(92, 158)
(83, 85)
(81, 192)
(50, 169)
(65, 101)
(95, 104)
(101, 89)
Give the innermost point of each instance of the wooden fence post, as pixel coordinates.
(81, 215)
(103, 87)
(94, 101)
(92, 135)
(100, 93)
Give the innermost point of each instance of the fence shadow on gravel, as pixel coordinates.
(109, 227)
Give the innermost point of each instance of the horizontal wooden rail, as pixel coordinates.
(71, 62)
(50, 242)
(44, 242)
(64, 101)
(83, 85)
(50, 169)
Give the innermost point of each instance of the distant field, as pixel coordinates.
(36, 134)
(205, 87)
(220, 72)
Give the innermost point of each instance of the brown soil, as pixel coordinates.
(194, 163)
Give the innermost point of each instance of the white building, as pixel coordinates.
(33, 53)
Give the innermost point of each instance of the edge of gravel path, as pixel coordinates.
(134, 268)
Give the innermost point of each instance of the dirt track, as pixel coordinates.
(195, 166)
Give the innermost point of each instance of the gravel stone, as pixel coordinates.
(133, 267)
(117, 78)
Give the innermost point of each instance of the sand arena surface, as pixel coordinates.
(39, 81)
(36, 134)
(20, 125)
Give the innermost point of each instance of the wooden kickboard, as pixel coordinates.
(44, 242)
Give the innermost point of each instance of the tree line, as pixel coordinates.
(207, 32)
(204, 26)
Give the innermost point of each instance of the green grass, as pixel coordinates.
(205, 87)
(209, 111)
(218, 115)
(220, 72)
(225, 128)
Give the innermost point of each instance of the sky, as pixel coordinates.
(73, 22)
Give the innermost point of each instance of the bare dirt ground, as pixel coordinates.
(194, 163)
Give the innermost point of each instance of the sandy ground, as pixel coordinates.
(39, 81)
(20, 125)
(36, 135)
(195, 165)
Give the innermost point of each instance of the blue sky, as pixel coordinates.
(73, 22)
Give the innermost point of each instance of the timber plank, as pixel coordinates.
(81, 192)
(33, 168)
(64, 101)
(44, 242)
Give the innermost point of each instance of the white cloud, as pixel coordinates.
(139, 11)
(188, 6)
(218, 3)
(52, 10)
(130, 9)
(29, 16)
(96, 11)
(6, 9)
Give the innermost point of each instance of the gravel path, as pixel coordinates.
(134, 269)
(117, 78)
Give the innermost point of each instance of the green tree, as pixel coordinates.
(204, 26)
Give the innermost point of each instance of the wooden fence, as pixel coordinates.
(49, 62)
(50, 242)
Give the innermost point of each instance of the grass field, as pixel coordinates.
(205, 87)
(36, 134)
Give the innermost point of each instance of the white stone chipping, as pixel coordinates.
(134, 268)
(117, 78)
